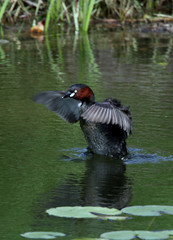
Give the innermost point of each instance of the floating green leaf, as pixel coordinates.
(145, 235)
(84, 212)
(169, 232)
(114, 218)
(152, 235)
(148, 210)
(42, 235)
(88, 239)
(118, 235)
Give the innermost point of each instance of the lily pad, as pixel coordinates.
(148, 210)
(88, 239)
(169, 232)
(152, 235)
(42, 235)
(118, 235)
(145, 235)
(84, 212)
(114, 218)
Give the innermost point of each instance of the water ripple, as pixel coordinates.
(136, 156)
(139, 156)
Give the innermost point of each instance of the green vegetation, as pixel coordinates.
(3, 8)
(80, 12)
(167, 234)
(42, 235)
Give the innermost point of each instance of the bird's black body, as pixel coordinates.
(105, 125)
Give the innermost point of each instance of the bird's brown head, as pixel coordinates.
(80, 92)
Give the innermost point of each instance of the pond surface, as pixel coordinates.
(43, 159)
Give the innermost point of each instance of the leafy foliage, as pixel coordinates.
(80, 12)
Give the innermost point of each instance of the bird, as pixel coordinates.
(105, 125)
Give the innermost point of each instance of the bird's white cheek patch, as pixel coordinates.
(72, 94)
(79, 104)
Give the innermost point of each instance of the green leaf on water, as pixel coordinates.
(145, 235)
(42, 235)
(84, 212)
(114, 218)
(148, 210)
(152, 235)
(88, 239)
(118, 235)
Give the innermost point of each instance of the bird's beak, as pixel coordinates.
(67, 94)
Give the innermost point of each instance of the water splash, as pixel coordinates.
(139, 156)
(75, 154)
(136, 156)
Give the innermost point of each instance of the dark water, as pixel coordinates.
(43, 159)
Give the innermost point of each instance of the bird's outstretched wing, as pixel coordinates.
(66, 108)
(110, 112)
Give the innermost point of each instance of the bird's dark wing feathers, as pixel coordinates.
(110, 112)
(66, 108)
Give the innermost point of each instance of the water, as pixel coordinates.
(44, 163)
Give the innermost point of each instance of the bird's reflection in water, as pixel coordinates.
(103, 184)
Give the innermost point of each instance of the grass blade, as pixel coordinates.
(75, 9)
(48, 16)
(2, 9)
(87, 11)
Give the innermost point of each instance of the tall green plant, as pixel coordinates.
(80, 11)
(86, 6)
(1, 32)
(75, 9)
(48, 16)
(2, 8)
(37, 8)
